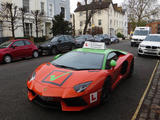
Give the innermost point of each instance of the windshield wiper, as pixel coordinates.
(63, 66)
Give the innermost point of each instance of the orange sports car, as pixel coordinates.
(79, 79)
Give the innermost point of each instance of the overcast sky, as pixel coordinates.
(73, 3)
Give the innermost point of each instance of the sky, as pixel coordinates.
(73, 4)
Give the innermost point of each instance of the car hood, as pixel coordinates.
(150, 43)
(46, 44)
(52, 76)
(53, 81)
(138, 37)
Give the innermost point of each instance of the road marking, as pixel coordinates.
(145, 92)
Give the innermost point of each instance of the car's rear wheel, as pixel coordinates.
(106, 91)
(7, 59)
(35, 54)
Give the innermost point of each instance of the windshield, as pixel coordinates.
(141, 32)
(5, 44)
(54, 39)
(80, 60)
(153, 38)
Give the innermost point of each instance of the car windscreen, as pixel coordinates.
(5, 44)
(153, 38)
(80, 60)
(54, 39)
(141, 32)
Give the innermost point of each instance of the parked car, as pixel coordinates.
(60, 43)
(103, 38)
(114, 39)
(150, 45)
(15, 49)
(81, 39)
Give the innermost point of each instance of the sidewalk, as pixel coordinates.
(149, 107)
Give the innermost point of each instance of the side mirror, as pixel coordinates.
(13, 46)
(57, 56)
(113, 63)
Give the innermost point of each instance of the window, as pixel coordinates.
(111, 56)
(18, 43)
(50, 10)
(80, 14)
(111, 22)
(81, 23)
(99, 12)
(27, 42)
(28, 29)
(99, 22)
(63, 11)
(26, 5)
(42, 7)
(158, 29)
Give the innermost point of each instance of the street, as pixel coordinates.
(14, 104)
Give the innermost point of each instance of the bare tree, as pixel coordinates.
(22, 12)
(38, 16)
(89, 15)
(140, 10)
(9, 13)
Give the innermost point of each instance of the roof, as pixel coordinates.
(99, 6)
(93, 5)
(100, 51)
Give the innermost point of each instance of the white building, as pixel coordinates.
(111, 18)
(50, 8)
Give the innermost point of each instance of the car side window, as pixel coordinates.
(27, 42)
(18, 43)
(61, 38)
(111, 56)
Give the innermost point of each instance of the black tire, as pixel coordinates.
(132, 45)
(7, 59)
(73, 47)
(139, 55)
(131, 70)
(35, 54)
(53, 51)
(106, 91)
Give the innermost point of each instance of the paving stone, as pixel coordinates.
(143, 115)
(147, 102)
(155, 101)
(141, 118)
(152, 115)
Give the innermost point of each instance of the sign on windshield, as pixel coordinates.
(94, 45)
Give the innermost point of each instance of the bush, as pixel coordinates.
(120, 35)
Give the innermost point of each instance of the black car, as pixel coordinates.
(57, 44)
(103, 38)
(114, 39)
(81, 39)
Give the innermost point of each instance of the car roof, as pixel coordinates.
(18, 40)
(100, 51)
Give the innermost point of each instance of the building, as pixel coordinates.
(108, 16)
(155, 27)
(49, 8)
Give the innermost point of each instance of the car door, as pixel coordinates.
(61, 43)
(116, 69)
(28, 48)
(18, 49)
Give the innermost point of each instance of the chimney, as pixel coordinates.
(79, 4)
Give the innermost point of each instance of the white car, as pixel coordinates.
(150, 46)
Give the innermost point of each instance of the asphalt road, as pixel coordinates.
(14, 104)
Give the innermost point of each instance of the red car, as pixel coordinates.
(79, 79)
(15, 49)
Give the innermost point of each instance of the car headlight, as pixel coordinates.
(49, 45)
(33, 76)
(81, 87)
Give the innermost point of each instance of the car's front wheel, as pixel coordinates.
(53, 51)
(7, 59)
(106, 91)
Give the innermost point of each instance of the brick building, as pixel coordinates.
(155, 27)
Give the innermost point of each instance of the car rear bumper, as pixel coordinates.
(150, 52)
